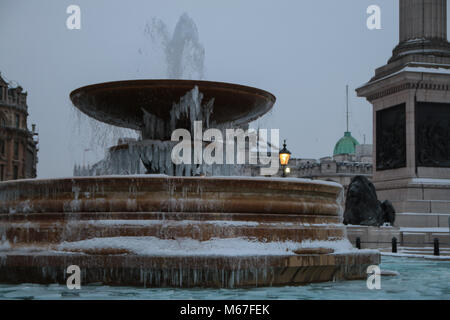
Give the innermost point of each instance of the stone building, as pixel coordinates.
(18, 145)
(349, 159)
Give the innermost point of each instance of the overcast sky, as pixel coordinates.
(304, 52)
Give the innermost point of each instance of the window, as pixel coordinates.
(2, 171)
(17, 121)
(16, 150)
(16, 173)
(1, 93)
(3, 119)
(2, 147)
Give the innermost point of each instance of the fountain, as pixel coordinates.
(156, 108)
(168, 230)
(179, 225)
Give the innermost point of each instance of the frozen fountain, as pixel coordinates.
(160, 231)
(155, 108)
(179, 225)
(167, 230)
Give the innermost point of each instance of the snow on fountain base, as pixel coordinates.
(160, 231)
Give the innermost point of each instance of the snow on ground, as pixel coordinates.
(424, 213)
(410, 255)
(431, 181)
(214, 247)
(436, 230)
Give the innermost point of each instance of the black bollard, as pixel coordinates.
(394, 245)
(358, 243)
(436, 246)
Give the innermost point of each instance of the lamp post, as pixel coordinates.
(285, 154)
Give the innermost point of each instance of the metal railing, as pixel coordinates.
(394, 243)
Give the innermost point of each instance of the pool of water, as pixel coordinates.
(418, 279)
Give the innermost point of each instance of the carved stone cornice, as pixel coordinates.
(408, 86)
(406, 79)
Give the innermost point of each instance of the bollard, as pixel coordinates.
(358, 243)
(394, 245)
(436, 246)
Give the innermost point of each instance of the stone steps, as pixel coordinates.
(411, 219)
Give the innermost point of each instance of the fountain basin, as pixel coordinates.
(121, 103)
(158, 230)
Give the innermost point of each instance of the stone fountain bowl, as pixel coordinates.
(162, 231)
(122, 103)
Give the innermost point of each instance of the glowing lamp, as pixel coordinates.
(285, 154)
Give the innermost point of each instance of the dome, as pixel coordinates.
(346, 145)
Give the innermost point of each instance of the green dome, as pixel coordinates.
(346, 145)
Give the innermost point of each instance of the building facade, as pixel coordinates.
(18, 145)
(332, 169)
(349, 159)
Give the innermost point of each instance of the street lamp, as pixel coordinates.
(285, 154)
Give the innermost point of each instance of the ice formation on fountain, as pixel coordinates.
(191, 108)
(154, 152)
(185, 59)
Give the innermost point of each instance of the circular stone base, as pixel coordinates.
(187, 271)
(160, 231)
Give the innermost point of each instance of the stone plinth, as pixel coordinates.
(373, 237)
(381, 237)
(405, 175)
(411, 115)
